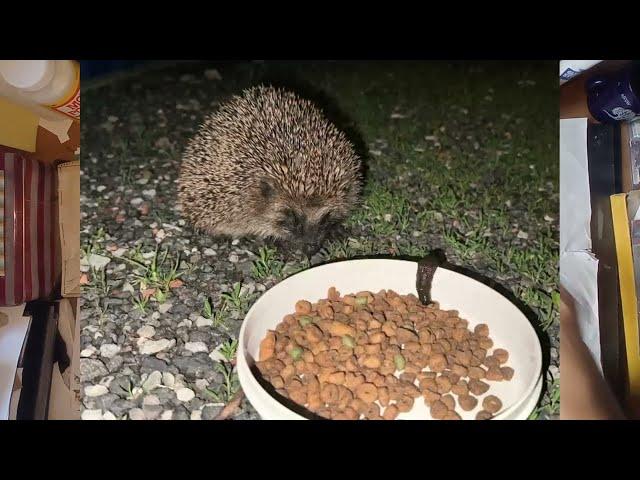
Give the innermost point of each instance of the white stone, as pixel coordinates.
(153, 380)
(101, 188)
(91, 415)
(185, 394)
(387, 217)
(166, 415)
(196, 415)
(210, 252)
(108, 416)
(151, 400)
(168, 380)
(523, 235)
(87, 352)
(95, 390)
(136, 414)
(151, 347)
(202, 384)
(119, 252)
(196, 347)
(146, 332)
(109, 350)
(233, 258)
(136, 202)
(149, 193)
(165, 307)
(203, 322)
(216, 356)
(97, 261)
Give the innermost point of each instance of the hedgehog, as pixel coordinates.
(268, 164)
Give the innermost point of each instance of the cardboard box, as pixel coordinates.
(69, 225)
(64, 398)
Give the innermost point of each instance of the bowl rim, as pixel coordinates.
(246, 376)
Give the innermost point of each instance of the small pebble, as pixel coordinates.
(91, 415)
(185, 394)
(196, 347)
(136, 414)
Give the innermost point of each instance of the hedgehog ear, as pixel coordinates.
(266, 190)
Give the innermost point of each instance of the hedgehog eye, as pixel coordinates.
(292, 221)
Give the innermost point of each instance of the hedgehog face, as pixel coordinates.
(301, 224)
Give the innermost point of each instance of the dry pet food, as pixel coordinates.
(373, 355)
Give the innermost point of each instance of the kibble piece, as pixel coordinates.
(507, 373)
(438, 410)
(333, 294)
(460, 388)
(467, 402)
(452, 415)
(298, 396)
(437, 362)
(326, 312)
(408, 377)
(449, 401)
(494, 374)
(491, 404)
(443, 384)
(339, 329)
(485, 342)
(483, 415)
(391, 412)
(337, 378)
(367, 392)
(491, 361)
(372, 361)
(372, 412)
(481, 330)
(277, 381)
(329, 393)
(476, 373)
(267, 346)
(478, 387)
(404, 335)
(501, 354)
(303, 307)
(405, 403)
(430, 396)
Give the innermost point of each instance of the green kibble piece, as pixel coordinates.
(348, 341)
(296, 353)
(361, 301)
(400, 361)
(305, 320)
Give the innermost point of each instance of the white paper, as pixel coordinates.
(12, 337)
(578, 265)
(572, 68)
(60, 128)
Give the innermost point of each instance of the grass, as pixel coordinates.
(230, 384)
(552, 408)
(267, 264)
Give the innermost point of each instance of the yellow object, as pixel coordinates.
(628, 297)
(18, 126)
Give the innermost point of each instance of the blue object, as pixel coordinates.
(98, 68)
(615, 98)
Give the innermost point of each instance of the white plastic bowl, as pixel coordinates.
(476, 302)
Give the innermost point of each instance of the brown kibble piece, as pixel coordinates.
(336, 378)
(372, 361)
(460, 388)
(438, 410)
(329, 393)
(483, 415)
(437, 362)
(478, 387)
(491, 404)
(449, 401)
(367, 392)
(507, 373)
(404, 335)
(405, 403)
(476, 373)
(430, 396)
(383, 396)
(452, 415)
(267, 346)
(481, 330)
(494, 374)
(443, 384)
(338, 329)
(501, 354)
(303, 307)
(391, 412)
(467, 402)
(333, 294)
